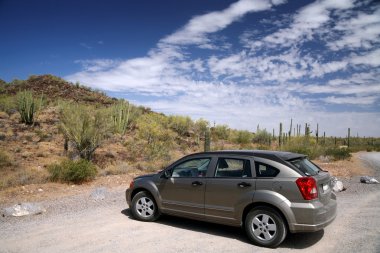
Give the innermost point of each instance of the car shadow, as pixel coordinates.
(292, 241)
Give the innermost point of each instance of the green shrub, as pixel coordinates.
(200, 127)
(243, 137)
(180, 124)
(220, 132)
(86, 127)
(262, 137)
(28, 106)
(4, 160)
(7, 104)
(338, 153)
(158, 139)
(72, 171)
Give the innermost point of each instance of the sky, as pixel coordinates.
(242, 63)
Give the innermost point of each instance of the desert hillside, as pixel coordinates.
(71, 123)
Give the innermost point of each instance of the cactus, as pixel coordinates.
(207, 146)
(290, 129)
(280, 136)
(317, 132)
(120, 116)
(27, 106)
(348, 137)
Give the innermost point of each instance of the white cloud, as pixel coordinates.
(243, 87)
(360, 31)
(372, 58)
(305, 22)
(354, 100)
(97, 65)
(197, 29)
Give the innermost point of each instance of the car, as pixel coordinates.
(267, 193)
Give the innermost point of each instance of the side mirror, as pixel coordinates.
(166, 174)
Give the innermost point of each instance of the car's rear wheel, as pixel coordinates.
(144, 208)
(265, 227)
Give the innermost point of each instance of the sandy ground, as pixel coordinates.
(79, 224)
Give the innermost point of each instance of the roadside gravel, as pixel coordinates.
(81, 224)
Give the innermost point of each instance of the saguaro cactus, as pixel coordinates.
(207, 146)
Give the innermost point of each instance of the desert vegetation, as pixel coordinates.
(59, 131)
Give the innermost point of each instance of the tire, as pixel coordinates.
(144, 207)
(265, 227)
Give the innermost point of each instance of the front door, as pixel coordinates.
(184, 191)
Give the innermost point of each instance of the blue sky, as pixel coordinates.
(240, 63)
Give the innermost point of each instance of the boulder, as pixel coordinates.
(23, 209)
(368, 180)
(337, 185)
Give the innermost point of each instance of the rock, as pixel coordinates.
(368, 180)
(4, 115)
(337, 185)
(110, 154)
(26, 154)
(99, 193)
(24, 209)
(40, 190)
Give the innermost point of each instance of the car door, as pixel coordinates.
(229, 190)
(183, 192)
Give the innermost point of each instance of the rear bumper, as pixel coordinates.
(312, 217)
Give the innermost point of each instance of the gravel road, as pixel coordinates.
(81, 224)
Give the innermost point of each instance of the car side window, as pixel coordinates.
(231, 167)
(265, 170)
(192, 168)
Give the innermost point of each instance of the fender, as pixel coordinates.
(277, 200)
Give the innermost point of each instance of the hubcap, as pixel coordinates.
(145, 207)
(264, 227)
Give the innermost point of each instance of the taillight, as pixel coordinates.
(308, 187)
(131, 184)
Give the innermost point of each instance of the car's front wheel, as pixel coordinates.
(144, 208)
(265, 227)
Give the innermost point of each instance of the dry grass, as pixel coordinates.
(345, 168)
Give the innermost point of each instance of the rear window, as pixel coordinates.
(305, 166)
(265, 170)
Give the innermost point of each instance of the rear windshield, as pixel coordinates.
(307, 167)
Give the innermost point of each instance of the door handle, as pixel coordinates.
(196, 183)
(243, 184)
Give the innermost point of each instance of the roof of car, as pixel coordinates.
(286, 156)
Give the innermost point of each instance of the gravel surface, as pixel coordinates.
(82, 224)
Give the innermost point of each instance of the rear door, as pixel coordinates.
(183, 192)
(229, 188)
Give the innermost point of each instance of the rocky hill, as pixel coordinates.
(53, 88)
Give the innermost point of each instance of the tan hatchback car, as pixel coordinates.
(268, 193)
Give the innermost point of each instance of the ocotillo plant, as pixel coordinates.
(120, 116)
(27, 106)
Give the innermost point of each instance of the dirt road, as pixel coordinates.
(79, 224)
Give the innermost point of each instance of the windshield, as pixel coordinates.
(307, 167)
